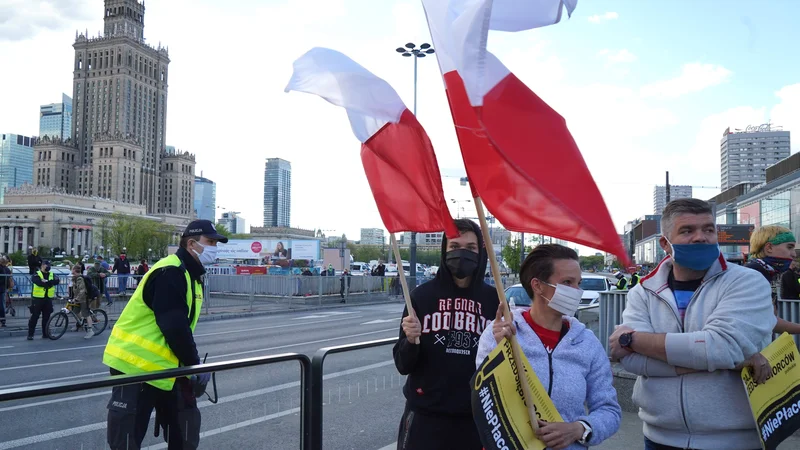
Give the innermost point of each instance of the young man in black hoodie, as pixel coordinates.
(451, 312)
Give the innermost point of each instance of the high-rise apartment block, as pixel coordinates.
(372, 236)
(675, 192)
(745, 155)
(277, 192)
(116, 148)
(205, 198)
(55, 119)
(16, 161)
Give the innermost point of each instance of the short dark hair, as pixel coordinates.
(683, 206)
(539, 263)
(184, 243)
(465, 225)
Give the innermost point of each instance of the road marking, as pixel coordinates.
(31, 383)
(7, 346)
(300, 343)
(58, 400)
(373, 322)
(54, 351)
(41, 365)
(31, 440)
(247, 330)
(323, 315)
(389, 447)
(235, 426)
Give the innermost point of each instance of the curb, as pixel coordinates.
(19, 332)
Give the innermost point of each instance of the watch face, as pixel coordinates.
(625, 340)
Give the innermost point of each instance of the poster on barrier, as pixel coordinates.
(776, 403)
(498, 405)
(273, 251)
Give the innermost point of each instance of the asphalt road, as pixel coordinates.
(258, 407)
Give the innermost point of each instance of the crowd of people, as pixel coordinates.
(689, 328)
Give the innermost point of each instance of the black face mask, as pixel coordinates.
(462, 263)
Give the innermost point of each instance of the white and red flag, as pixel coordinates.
(396, 152)
(520, 157)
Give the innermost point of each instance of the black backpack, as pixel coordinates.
(91, 290)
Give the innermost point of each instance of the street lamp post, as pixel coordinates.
(412, 51)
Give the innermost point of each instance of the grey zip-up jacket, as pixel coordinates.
(729, 318)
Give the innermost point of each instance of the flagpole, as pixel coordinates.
(402, 274)
(516, 351)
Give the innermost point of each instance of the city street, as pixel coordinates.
(258, 407)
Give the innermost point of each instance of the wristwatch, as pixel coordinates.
(626, 340)
(587, 433)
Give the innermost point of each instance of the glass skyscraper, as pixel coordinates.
(16, 161)
(55, 119)
(205, 198)
(277, 192)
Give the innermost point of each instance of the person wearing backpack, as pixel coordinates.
(82, 297)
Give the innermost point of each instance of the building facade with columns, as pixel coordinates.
(50, 218)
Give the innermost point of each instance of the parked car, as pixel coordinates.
(592, 286)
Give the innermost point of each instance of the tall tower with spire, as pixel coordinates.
(119, 110)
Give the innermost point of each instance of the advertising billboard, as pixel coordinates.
(272, 250)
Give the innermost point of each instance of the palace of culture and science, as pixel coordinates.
(116, 159)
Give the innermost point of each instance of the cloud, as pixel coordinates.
(597, 18)
(694, 77)
(612, 57)
(787, 112)
(24, 19)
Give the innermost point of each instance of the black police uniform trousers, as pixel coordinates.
(419, 431)
(43, 307)
(130, 408)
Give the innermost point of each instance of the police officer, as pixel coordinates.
(44, 287)
(622, 283)
(634, 279)
(155, 332)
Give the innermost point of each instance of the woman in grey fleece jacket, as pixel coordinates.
(576, 371)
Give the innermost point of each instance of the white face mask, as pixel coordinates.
(209, 255)
(565, 300)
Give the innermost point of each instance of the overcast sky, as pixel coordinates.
(643, 89)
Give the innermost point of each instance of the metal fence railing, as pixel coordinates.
(39, 391)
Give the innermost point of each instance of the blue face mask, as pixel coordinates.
(697, 257)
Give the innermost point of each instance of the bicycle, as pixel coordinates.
(59, 322)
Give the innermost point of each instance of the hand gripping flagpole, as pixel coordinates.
(402, 274)
(516, 351)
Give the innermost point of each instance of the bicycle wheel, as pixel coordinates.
(57, 325)
(100, 319)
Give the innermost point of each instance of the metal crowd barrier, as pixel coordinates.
(612, 303)
(317, 372)
(42, 390)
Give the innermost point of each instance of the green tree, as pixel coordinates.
(142, 238)
(591, 262)
(18, 258)
(239, 236)
(511, 254)
(223, 230)
(366, 253)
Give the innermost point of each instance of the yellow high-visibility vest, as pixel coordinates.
(40, 292)
(136, 344)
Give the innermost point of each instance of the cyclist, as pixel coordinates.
(44, 287)
(82, 297)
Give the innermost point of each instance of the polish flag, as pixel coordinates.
(396, 152)
(520, 157)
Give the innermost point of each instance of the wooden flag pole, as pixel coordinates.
(516, 351)
(402, 274)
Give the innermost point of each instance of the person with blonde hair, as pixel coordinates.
(772, 250)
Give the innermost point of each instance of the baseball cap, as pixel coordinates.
(46, 262)
(203, 228)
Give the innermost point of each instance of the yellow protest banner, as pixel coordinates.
(498, 405)
(776, 403)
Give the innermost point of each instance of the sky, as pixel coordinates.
(645, 89)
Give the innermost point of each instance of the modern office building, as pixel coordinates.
(675, 192)
(16, 161)
(745, 155)
(277, 192)
(233, 222)
(205, 198)
(118, 133)
(372, 236)
(55, 119)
